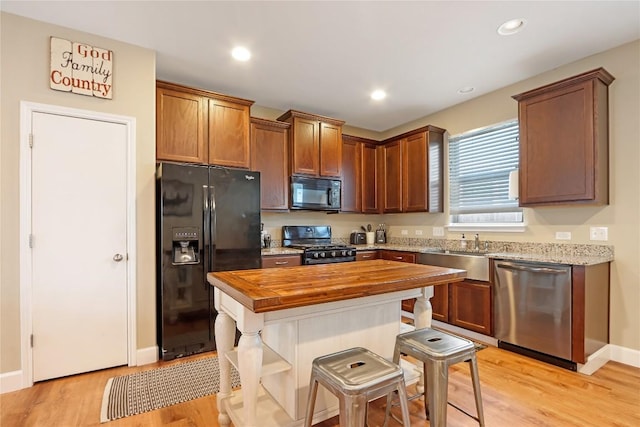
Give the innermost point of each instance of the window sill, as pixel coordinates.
(498, 228)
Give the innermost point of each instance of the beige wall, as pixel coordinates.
(622, 215)
(24, 77)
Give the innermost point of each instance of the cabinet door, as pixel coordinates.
(180, 126)
(229, 134)
(330, 150)
(391, 177)
(351, 175)
(272, 261)
(471, 306)
(305, 147)
(440, 303)
(270, 157)
(564, 141)
(369, 179)
(414, 173)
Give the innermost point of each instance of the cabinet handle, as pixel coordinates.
(366, 256)
(399, 258)
(282, 262)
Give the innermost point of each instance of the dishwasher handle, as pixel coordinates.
(531, 269)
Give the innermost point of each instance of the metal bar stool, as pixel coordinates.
(437, 351)
(356, 376)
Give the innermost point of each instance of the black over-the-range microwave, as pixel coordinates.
(317, 194)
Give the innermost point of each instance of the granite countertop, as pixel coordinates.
(547, 254)
(534, 252)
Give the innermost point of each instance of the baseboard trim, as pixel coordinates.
(624, 355)
(11, 381)
(595, 361)
(147, 355)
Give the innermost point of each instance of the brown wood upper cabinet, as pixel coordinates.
(564, 141)
(412, 171)
(351, 174)
(359, 171)
(315, 144)
(199, 126)
(270, 157)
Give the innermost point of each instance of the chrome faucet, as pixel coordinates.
(476, 242)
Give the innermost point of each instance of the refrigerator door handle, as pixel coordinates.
(206, 227)
(212, 209)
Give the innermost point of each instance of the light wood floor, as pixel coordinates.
(517, 392)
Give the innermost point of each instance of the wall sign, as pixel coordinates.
(80, 68)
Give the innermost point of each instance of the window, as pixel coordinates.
(479, 166)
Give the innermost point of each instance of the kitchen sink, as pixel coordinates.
(476, 264)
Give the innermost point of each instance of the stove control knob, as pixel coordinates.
(322, 254)
(334, 254)
(344, 253)
(315, 255)
(352, 252)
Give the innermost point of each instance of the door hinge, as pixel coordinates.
(31, 241)
(31, 340)
(30, 140)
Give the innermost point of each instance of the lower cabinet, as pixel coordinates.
(271, 261)
(470, 306)
(466, 304)
(440, 303)
(407, 304)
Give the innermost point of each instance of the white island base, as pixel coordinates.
(277, 348)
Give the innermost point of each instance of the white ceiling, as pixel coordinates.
(326, 57)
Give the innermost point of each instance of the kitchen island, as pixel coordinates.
(289, 316)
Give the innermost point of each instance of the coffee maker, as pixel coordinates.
(381, 234)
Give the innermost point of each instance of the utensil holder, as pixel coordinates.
(371, 237)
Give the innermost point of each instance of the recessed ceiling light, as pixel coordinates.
(512, 26)
(466, 89)
(241, 53)
(378, 95)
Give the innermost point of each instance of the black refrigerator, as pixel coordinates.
(208, 219)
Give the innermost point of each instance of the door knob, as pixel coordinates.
(118, 257)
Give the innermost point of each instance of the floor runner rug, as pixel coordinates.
(157, 388)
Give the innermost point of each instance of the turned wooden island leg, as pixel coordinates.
(422, 315)
(250, 368)
(225, 329)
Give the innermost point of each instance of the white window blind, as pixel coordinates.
(479, 166)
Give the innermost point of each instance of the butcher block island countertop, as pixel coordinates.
(272, 289)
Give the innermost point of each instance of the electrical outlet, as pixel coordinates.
(563, 235)
(438, 231)
(404, 232)
(418, 232)
(599, 233)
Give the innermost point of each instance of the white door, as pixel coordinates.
(79, 223)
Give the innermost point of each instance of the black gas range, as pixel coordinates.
(315, 242)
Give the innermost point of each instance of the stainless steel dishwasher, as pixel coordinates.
(532, 308)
